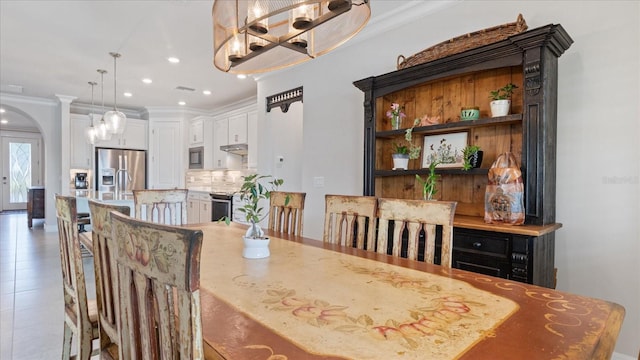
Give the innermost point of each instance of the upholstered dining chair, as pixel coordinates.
(80, 314)
(163, 206)
(158, 269)
(350, 221)
(104, 249)
(286, 212)
(416, 215)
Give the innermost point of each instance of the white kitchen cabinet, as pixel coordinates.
(134, 137)
(252, 139)
(166, 155)
(198, 207)
(238, 129)
(220, 138)
(81, 150)
(196, 132)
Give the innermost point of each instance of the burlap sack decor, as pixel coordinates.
(504, 197)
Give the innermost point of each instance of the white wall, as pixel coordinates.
(598, 248)
(46, 113)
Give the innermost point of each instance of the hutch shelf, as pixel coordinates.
(440, 88)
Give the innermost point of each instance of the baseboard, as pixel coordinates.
(51, 228)
(618, 356)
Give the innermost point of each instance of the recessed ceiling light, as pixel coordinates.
(2, 110)
(128, 94)
(206, 92)
(242, 76)
(182, 103)
(173, 60)
(4, 121)
(147, 81)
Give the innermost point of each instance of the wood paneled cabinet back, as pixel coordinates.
(440, 88)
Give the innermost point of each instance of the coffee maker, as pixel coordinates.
(81, 181)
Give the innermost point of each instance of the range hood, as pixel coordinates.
(238, 149)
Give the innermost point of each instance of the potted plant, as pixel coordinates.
(501, 100)
(404, 152)
(429, 183)
(396, 115)
(256, 188)
(471, 157)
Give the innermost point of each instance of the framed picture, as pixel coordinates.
(444, 148)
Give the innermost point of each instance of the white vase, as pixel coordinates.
(400, 161)
(500, 107)
(255, 248)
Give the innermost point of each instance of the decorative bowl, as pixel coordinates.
(471, 113)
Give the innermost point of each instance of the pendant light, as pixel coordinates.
(103, 132)
(91, 133)
(116, 120)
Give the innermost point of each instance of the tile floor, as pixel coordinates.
(31, 302)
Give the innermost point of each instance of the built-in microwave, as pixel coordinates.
(196, 157)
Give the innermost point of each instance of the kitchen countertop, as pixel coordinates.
(102, 195)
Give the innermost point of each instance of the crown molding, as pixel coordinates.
(27, 99)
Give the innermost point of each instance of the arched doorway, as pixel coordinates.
(21, 157)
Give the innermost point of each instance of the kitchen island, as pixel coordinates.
(109, 197)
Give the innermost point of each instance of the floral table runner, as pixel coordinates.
(337, 304)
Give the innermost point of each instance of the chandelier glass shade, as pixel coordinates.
(91, 133)
(102, 130)
(116, 120)
(254, 36)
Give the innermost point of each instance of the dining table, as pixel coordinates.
(314, 300)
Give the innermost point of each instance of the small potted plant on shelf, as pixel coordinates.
(471, 157)
(256, 188)
(501, 100)
(404, 152)
(396, 115)
(429, 182)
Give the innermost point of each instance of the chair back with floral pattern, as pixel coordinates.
(104, 266)
(159, 280)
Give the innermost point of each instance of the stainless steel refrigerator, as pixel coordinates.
(121, 170)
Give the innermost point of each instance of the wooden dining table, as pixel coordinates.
(313, 300)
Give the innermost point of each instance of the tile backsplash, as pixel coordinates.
(222, 181)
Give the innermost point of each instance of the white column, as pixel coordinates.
(65, 149)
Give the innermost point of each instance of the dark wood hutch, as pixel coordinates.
(440, 88)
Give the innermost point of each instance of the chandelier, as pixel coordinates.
(253, 36)
(116, 120)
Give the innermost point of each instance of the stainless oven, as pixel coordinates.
(221, 206)
(196, 157)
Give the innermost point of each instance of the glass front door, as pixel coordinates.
(20, 170)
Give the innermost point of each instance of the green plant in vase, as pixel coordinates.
(404, 152)
(429, 182)
(468, 154)
(251, 193)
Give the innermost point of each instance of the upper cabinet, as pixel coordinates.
(220, 138)
(238, 129)
(196, 132)
(80, 149)
(135, 136)
(235, 127)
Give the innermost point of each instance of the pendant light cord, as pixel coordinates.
(115, 102)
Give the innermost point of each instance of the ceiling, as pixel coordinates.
(55, 47)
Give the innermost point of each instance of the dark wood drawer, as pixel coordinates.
(489, 244)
